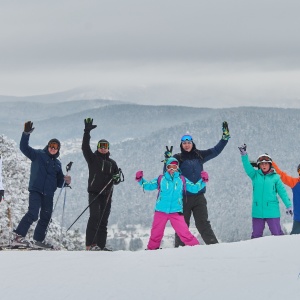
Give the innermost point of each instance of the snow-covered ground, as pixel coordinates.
(260, 269)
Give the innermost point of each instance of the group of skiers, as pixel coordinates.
(181, 191)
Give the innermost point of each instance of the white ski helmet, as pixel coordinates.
(264, 158)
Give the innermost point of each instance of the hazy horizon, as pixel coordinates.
(195, 53)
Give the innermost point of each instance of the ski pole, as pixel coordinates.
(90, 204)
(68, 168)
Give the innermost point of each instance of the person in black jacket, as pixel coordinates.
(103, 174)
(191, 162)
(45, 176)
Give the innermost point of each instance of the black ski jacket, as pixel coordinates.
(101, 167)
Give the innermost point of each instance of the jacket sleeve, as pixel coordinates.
(213, 152)
(282, 193)
(149, 185)
(194, 187)
(26, 149)
(250, 171)
(86, 148)
(286, 179)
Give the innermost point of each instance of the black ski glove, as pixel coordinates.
(116, 178)
(88, 125)
(225, 129)
(168, 154)
(28, 127)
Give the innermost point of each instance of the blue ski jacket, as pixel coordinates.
(171, 191)
(191, 163)
(46, 173)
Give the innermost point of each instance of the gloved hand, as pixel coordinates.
(204, 176)
(67, 179)
(139, 175)
(225, 129)
(289, 211)
(243, 149)
(88, 125)
(168, 153)
(116, 178)
(28, 127)
(1, 195)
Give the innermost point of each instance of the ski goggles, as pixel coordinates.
(264, 159)
(186, 138)
(53, 146)
(103, 145)
(172, 167)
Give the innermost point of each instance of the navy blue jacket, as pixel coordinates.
(191, 163)
(46, 173)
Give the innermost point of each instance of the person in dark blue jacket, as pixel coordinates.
(45, 176)
(191, 162)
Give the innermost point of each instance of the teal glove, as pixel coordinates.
(225, 129)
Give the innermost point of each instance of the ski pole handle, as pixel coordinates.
(69, 166)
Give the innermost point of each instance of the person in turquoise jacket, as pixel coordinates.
(266, 185)
(169, 203)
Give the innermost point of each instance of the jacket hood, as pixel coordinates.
(169, 161)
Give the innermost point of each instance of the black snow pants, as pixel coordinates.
(99, 212)
(197, 205)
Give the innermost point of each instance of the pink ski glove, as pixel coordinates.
(204, 176)
(139, 175)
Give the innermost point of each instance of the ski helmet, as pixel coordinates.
(103, 142)
(264, 158)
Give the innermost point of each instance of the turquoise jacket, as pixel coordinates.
(265, 203)
(171, 191)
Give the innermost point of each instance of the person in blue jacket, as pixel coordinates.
(45, 176)
(191, 161)
(169, 204)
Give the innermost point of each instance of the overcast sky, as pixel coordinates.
(161, 51)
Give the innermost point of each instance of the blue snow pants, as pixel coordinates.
(40, 207)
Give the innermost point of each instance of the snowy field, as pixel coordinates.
(265, 268)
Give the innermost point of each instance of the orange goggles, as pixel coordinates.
(53, 146)
(103, 145)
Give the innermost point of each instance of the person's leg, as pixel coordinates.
(274, 226)
(45, 217)
(296, 227)
(181, 228)
(31, 215)
(157, 231)
(202, 223)
(258, 226)
(187, 211)
(93, 219)
(105, 207)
